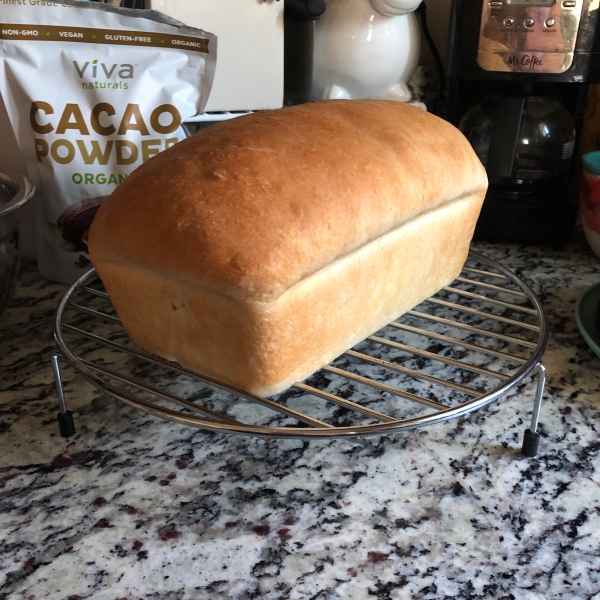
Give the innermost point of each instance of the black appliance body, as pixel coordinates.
(298, 45)
(519, 73)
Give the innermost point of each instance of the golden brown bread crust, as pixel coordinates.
(259, 250)
(264, 347)
(253, 205)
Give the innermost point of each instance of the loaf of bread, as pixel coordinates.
(261, 248)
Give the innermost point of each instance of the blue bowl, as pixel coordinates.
(586, 313)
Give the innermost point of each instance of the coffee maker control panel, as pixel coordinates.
(528, 36)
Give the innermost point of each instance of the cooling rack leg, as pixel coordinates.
(531, 438)
(66, 424)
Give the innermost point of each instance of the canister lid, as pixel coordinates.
(591, 162)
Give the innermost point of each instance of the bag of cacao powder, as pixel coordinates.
(92, 92)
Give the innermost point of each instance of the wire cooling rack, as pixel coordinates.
(466, 346)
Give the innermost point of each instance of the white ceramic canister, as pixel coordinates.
(366, 49)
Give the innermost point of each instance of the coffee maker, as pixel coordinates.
(519, 73)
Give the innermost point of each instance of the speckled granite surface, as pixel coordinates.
(137, 507)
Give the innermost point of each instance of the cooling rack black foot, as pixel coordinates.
(530, 443)
(66, 424)
(531, 439)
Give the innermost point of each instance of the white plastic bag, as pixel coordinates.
(93, 91)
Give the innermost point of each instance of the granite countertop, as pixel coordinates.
(136, 507)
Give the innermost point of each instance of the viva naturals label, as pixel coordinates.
(92, 92)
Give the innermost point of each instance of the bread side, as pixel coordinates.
(265, 346)
(251, 207)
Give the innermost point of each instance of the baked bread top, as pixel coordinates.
(253, 205)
